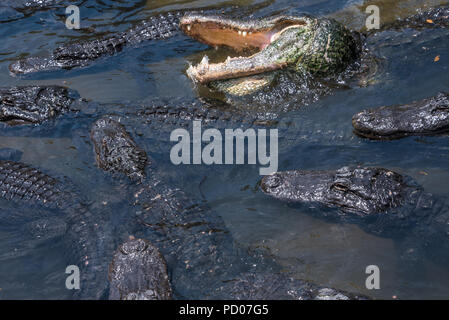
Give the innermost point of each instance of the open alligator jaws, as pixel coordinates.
(202, 259)
(419, 118)
(380, 201)
(309, 46)
(317, 45)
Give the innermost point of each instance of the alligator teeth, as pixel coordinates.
(240, 32)
(228, 59)
(189, 27)
(205, 61)
(244, 33)
(201, 68)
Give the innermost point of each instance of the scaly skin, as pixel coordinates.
(138, 271)
(381, 201)
(419, 118)
(202, 258)
(82, 54)
(316, 47)
(88, 244)
(35, 104)
(116, 152)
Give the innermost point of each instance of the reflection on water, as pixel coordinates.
(326, 253)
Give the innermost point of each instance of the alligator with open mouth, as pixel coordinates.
(312, 47)
(320, 46)
(379, 200)
(419, 118)
(306, 44)
(160, 221)
(83, 53)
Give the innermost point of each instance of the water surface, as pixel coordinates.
(326, 253)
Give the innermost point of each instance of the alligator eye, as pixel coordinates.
(339, 186)
(271, 182)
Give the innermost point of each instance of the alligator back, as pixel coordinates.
(87, 241)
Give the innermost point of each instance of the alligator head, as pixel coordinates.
(424, 117)
(317, 45)
(34, 104)
(116, 151)
(362, 191)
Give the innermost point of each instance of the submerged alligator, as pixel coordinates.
(138, 271)
(35, 104)
(202, 259)
(379, 200)
(86, 238)
(308, 45)
(82, 54)
(419, 118)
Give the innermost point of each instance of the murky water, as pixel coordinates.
(325, 253)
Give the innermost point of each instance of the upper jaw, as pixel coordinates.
(249, 36)
(238, 34)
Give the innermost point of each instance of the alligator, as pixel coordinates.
(35, 104)
(81, 54)
(202, 259)
(419, 118)
(138, 271)
(278, 42)
(379, 200)
(87, 240)
(320, 46)
(313, 47)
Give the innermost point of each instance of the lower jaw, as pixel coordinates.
(245, 85)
